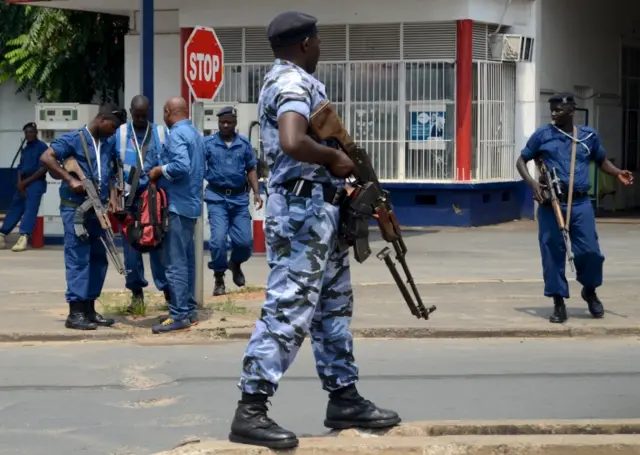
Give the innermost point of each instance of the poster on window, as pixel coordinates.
(427, 122)
(426, 125)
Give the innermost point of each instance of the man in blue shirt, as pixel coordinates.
(32, 184)
(133, 141)
(85, 261)
(552, 144)
(180, 173)
(230, 163)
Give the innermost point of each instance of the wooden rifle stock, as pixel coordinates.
(325, 124)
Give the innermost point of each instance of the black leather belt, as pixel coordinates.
(228, 191)
(304, 188)
(576, 195)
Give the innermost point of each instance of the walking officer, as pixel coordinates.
(553, 144)
(85, 261)
(230, 164)
(309, 284)
(32, 184)
(133, 141)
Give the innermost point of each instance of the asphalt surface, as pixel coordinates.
(122, 398)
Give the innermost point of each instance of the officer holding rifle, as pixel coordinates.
(564, 151)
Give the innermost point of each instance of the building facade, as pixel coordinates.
(415, 84)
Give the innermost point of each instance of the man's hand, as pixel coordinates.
(155, 173)
(76, 186)
(350, 190)
(22, 188)
(626, 177)
(538, 189)
(257, 200)
(342, 167)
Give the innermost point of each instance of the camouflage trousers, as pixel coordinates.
(308, 291)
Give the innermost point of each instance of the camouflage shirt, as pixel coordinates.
(287, 87)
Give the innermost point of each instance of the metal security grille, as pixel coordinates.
(394, 86)
(493, 121)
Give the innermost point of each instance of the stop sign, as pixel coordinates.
(203, 63)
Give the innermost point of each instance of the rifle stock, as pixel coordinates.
(552, 194)
(368, 198)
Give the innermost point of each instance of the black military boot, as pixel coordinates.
(251, 425)
(218, 287)
(137, 302)
(347, 409)
(559, 311)
(77, 319)
(595, 305)
(238, 276)
(96, 317)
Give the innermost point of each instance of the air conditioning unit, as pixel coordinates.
(510, 48)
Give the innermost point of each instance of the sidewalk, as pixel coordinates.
(455, 438)
(485, 282)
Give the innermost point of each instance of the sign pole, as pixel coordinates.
(204, 74)
(197, 117)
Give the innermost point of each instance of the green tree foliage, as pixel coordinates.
(62, 56)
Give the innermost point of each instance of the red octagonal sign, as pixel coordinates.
(203, 63)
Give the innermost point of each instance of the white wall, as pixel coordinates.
(15, 111)
(250, 13)
(166, 61)
(579, 52)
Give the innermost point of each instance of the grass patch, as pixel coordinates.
(117, 303)
(227, 306)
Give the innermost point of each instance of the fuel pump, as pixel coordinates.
(54, 120)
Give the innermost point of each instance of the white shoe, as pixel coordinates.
(21, 244)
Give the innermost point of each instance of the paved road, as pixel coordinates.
(94, 398)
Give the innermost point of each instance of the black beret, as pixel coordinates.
(29, 125)
(290, 28)
(228, 110)
(562, 98)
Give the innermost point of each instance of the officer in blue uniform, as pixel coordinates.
(552, 144)
(309, 284)
(85, 261)
(134, 140)
(180, 172)
(230, 164)
(32, 184)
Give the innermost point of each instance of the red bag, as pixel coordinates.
(145, 229)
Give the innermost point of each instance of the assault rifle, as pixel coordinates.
(367, 199)
(551, 192)
(93, 203)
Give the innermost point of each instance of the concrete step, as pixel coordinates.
(441, 445)
(457, 438)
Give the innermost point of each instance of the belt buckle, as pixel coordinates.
(227, 192)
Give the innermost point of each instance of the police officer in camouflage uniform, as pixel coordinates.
(309, 285)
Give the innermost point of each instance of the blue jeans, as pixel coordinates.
(232, 219)
(25, 209)
(135, 280)
(179, 259)
(85, 262)
(588, 258)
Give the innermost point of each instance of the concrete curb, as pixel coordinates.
(443, 445)
(559, 437)
(218, 333)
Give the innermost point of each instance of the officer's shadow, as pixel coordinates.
(147, 321)
(576, 311)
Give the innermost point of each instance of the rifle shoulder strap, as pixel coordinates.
(572, 172)
(88, 158)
